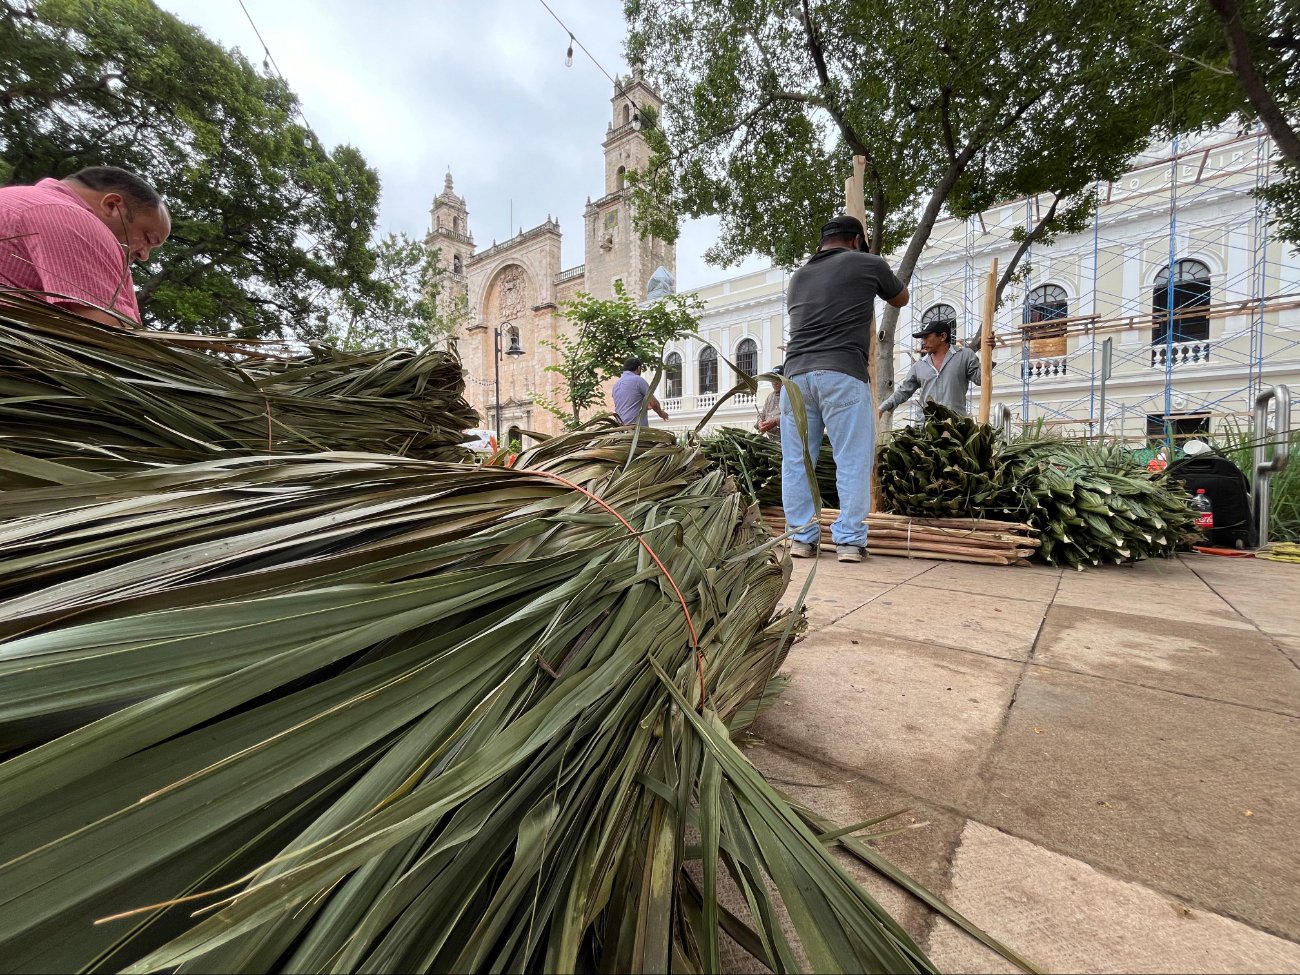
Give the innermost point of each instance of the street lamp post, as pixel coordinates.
(515, 349)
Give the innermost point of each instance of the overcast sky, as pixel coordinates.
(477, 85)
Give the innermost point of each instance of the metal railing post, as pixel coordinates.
(1265, 468)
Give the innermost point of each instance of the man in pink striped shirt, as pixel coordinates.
(71, 242)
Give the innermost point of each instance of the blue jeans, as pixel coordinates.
(840, 406)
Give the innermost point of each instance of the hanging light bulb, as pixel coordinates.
(568, 55)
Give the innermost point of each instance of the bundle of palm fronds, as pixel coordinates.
(356, 713)
(1090, 503)
(1093, 503)
(947, 466)
(107, 400)
(755, 462)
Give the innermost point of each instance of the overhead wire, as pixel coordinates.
(574, 39)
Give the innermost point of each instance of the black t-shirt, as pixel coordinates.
(831, 301)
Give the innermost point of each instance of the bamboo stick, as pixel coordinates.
(974, 541)
(976, 523)
(986, 343)
(829, 515)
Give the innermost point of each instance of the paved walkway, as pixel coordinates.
(1109, 761)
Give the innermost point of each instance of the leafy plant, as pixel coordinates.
(605, 333)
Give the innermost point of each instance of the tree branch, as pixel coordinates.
(1038, 231)
(1252, 84)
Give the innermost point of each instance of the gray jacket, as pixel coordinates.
(947, 385)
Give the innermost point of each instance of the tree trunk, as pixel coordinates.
(889, 320)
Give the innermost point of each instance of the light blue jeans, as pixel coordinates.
(840, 406)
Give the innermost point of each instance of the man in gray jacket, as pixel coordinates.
(941, 374)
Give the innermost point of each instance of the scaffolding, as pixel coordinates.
(1177, 268)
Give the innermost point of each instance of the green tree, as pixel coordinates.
(607, 332)
(1244, 57)
(266, 221)
(955, 106)
(407, 301)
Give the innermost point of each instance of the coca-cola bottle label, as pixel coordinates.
(1205, 519)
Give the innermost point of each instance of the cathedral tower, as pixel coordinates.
(614, 249)
(450, 236)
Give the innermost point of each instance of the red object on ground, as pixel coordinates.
(1231, 553)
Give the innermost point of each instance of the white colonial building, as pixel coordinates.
(1186, 206)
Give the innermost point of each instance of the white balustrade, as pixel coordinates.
(1184, 353)
(1051, 367)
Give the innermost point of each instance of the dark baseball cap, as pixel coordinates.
(843, 226)
(934, 328)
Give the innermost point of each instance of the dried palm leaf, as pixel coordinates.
(355, 713)
(107, 400)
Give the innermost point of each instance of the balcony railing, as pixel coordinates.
(704, 402)
(1184, 353)
(1052, 367)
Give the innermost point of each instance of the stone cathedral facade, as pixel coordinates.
(514, 289)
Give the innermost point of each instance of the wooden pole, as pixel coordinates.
(855, 205)
(986, 343)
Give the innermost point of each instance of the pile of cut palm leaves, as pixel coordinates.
(107, 400)
(1093, 503)
(754, 460)
(947, 466)
(1090, 503)
(343, 712)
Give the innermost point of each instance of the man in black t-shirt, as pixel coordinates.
(831, 303)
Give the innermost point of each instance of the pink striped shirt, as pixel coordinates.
(51, 241)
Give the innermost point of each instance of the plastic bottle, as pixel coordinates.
(1204, 510)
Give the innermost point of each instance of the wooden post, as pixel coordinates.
(986, 343)
(855, 205)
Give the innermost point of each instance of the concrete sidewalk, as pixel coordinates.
(1109, 761)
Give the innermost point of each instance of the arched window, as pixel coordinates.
(627, 114)
(946, 314)
(673, 376)
(1046, 303)
(621, 177)
(708, 370)
(457, 267)
(1189, 295)
(455, 224)
(747, 357)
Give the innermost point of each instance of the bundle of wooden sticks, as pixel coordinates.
(950, 539)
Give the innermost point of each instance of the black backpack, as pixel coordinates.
(1229, 493)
